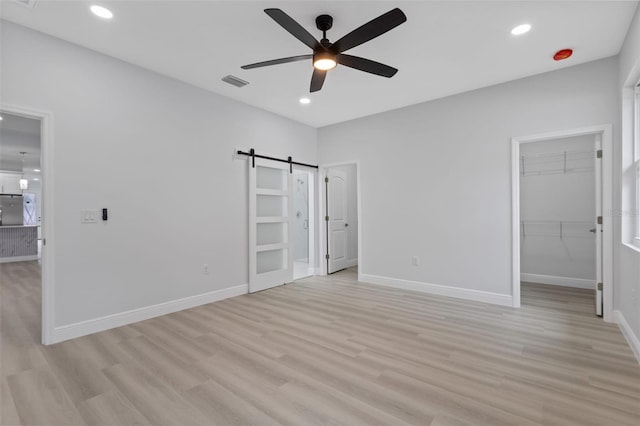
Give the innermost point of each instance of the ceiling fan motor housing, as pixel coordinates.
(324, 22)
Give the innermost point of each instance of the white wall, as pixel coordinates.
(350, 171)
(141, 145)
(557, 210)
(627, 269)
(435, 177)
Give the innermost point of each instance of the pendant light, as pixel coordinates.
(24, 183)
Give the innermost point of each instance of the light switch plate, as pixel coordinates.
(88, 216)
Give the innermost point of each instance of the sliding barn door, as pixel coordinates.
(270, 225)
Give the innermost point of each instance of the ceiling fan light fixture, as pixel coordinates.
(324, 61)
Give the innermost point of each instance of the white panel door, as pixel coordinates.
(598, 226)
(270, 225)
(337, 225)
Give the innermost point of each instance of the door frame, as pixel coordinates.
(322, 204)
(48, 212)
(606, 132)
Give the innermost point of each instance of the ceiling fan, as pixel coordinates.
(327, 55)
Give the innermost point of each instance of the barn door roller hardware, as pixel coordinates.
(253, 155)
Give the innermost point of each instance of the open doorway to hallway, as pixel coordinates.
(20, 188)
(26, 145)
(21, 238)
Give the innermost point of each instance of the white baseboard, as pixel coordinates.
(18, 258)
(628, 333)
(563, 281)
(441, 290)
(352, 262)
(83, 328)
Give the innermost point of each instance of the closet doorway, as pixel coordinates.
(561, 236)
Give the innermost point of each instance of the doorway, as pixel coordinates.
(26, 175)
(561, 186)
(558, 233)
(342, 217)
(303, 221)
(281, 214)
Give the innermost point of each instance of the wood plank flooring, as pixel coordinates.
(323, 351)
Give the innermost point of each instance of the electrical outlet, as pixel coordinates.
(415, 261)
(205, 269)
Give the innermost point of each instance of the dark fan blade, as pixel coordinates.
(367, 65)
(370, 30)
(276, 61)
(293, 27)
(317, 80)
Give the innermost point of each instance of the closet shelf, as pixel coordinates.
(557, 229)
(557, 163)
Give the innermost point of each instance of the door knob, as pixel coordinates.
(593, 230)
(346, 224)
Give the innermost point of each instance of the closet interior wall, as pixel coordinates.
(557, 205)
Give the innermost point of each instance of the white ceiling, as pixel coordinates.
(445, 47)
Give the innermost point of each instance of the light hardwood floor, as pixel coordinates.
(324, 351)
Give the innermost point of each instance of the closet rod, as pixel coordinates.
(253, 155)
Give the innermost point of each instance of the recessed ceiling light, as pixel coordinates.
(0, 118)
(305, 101)
(36, 179)
(36, 170)
(521, 29)
(102, 12)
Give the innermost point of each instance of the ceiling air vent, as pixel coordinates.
(31, 4)
(235, 81)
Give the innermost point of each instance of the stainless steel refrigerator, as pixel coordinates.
(11, 210)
